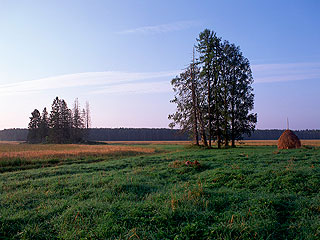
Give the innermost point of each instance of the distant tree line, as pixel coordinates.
(274, 134)
(213, 96)
(62, 125)
(154, 134)
(14, 134)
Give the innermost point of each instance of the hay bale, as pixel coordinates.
(288, 140)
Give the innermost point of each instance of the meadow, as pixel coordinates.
(146, 191)
(15, 156)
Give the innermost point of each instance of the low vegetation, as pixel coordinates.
(24, 156)
(250, 192)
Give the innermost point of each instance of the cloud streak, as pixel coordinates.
(136, 88)
(162, 28)
(149, 82)
(99, 80)
(268, 73)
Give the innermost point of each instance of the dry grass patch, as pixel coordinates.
(45, 151)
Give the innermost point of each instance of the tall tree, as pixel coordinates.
(209, 50)
(186, 99)
(218, 101)
(34, 124)
(194, 99)
(44, 126)
(60, 122)
(55, 122)
(77, 122)
(242, 98)
(66, 118)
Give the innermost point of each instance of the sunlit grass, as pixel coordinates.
(251, 192)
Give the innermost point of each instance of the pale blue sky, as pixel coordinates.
(121, 55)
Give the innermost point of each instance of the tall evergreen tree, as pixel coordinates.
(44, 126)
(34, 124)
(209, 50)
(242, 98)
(55, 122)
(66, 118)
(183, 99)
(77, 122)
(60, 122)
(191, 106)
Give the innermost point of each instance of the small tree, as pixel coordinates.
(86, 115)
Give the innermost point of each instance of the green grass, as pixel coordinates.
(244, 193)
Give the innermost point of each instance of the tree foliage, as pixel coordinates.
(63, 125)
(34, 125)
(219, 90)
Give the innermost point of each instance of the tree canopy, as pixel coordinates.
(213, 95)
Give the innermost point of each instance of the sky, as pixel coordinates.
(120, 56)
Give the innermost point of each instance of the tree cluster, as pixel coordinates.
(213, 95)
(62, 125)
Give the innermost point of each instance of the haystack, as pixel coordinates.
(288, 140)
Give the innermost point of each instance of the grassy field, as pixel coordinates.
(146, 191)
(15, 156)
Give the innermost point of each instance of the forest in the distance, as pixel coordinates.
(154, 134)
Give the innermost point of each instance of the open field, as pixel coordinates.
(251, 192)
(14, 156)
(310, 142)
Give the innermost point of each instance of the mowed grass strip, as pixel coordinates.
(251, 192)
(21, 156)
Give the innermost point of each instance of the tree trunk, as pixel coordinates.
(217, 112)
(209, 111)
(202, 131)
(204, 138)
(232, 127)
(218, 134)
(194, 106)
(226, 137)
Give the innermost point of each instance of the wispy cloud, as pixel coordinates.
(162, 28)
(150, 82)
(103, 81)
(266, 73)
(134, 88)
